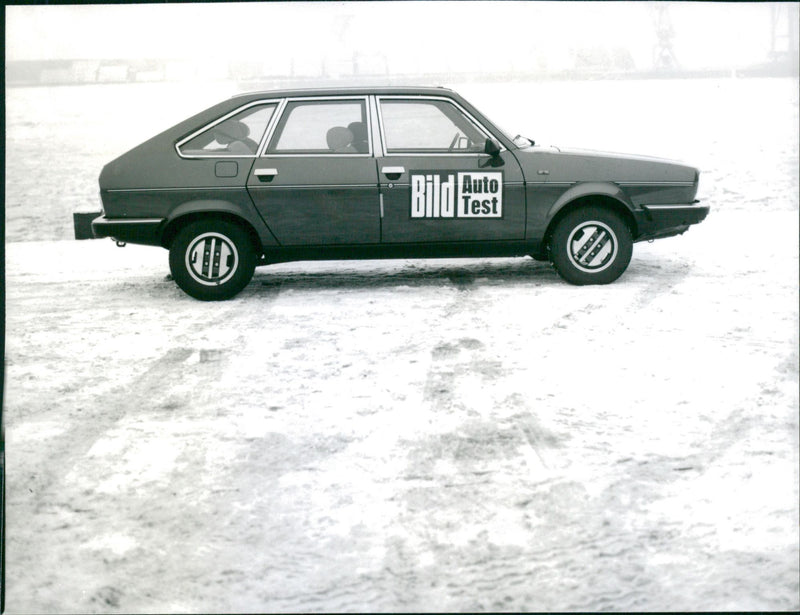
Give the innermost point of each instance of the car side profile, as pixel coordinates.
(387, 172)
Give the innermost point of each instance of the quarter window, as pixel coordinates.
(237, 135)
(434, 126)
(322, 127)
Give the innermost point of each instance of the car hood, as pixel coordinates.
(571, 164)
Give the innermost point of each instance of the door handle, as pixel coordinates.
(393, 172)
(265, 175)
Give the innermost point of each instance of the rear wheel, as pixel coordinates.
(212, 260)
(591, 245)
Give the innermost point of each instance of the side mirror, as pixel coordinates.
(492, 147)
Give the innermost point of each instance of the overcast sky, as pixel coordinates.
(505, 34)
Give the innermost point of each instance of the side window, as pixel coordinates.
(423, 126)
(322, 127)
(237, 135)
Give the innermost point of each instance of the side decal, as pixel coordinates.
(443, 194)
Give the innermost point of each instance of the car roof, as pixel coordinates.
(354, 90)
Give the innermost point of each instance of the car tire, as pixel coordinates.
(212, 260)
(591, 245)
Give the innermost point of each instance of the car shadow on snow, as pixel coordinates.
(464, 274)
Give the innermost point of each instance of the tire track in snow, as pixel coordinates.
(75, 442)
(473, 482)
(92, 455)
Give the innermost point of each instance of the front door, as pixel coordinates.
(436, 181)
(316, 182)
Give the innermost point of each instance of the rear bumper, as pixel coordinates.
(145, 231)
(656, 221)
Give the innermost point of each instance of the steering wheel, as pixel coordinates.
(454, 142)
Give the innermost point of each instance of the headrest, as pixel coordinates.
(359, 130)
(231, 130)
(339, 138)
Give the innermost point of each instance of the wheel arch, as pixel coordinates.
(205, 210)
(612, 200)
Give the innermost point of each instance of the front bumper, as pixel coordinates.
(657, 221)
(146, 231)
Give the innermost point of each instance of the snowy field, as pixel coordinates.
(455, 435)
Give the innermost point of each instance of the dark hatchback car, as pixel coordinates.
(386, 172)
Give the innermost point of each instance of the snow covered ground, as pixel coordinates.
(410, 435)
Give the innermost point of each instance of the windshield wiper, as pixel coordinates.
(531, 141)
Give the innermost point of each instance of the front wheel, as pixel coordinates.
(212, 260)
(591, 245)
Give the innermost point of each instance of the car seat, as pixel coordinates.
(234, 135)
(340, 140)
(359, 130)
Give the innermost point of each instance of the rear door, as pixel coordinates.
(315, 183)
(436, 182)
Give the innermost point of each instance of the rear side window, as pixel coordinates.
(322, 127)
(237, 135)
